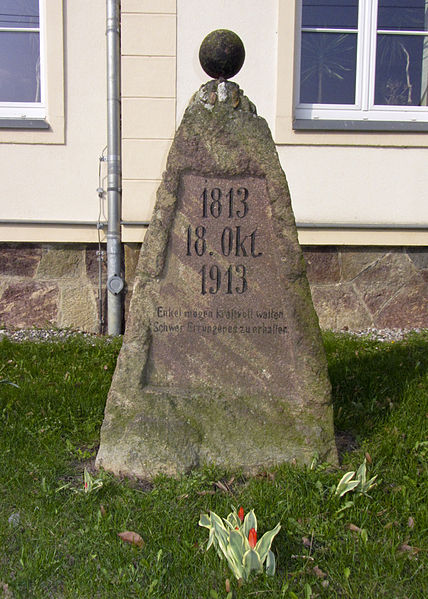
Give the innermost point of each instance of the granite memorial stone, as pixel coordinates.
(222, 360)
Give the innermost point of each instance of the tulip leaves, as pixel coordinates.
(236, 540)
(360, 484)
(264, 544)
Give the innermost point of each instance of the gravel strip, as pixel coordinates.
(384, 334)
(64, 334)
(48, 335)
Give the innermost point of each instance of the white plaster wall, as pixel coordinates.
(386, 186)
(329, 183)
(256, 23)
(59, 182)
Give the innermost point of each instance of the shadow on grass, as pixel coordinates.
(371, 379)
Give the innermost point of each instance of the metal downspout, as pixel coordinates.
(114, 250)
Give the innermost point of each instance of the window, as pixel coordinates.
(22, 76)
(363, 61)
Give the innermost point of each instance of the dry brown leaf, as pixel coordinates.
(131, 537)
(410, 522)
(306, 542)
(318, 572)
(265, 474)
(227, 585)
(354, 528)
(368, 457)
(325, 583)
(103, 510)
(6, 592)
(404, 548)
(222, 486)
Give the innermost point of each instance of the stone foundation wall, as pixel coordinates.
(355, 288)
(45, 285)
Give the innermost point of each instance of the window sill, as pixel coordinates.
(347, 125)
(23, 124)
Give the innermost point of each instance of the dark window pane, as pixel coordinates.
(331, 14)
(19, 13)
(410, 15)
(19, 67)
(327, 70)
(401, 70)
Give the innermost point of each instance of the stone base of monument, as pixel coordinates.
(174, 433)
(222, 361)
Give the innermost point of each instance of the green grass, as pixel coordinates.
(63, 543)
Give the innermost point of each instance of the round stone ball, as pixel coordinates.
(222, 54)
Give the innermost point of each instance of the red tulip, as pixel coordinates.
(241, 513)
(252, 538)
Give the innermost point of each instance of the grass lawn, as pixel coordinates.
(57, 541)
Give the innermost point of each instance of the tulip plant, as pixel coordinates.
(235, 538)
(360, 484)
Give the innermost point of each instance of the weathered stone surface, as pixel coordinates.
(339, 307)
(131, 252)
(222, 54)
(322, 264)
(222, 360)
(29, 304)
(408, 308)
(19, 260)
(61, 262)
(381, 281)
(354, 260)
(78, 307)
(419, 257)
(92, 265)
(4, 284)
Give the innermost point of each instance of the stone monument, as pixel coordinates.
(222, 360)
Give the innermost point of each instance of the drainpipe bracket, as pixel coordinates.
(115, 284)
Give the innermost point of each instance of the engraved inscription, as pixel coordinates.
(217, 322)
(222, 295)
(231, 242)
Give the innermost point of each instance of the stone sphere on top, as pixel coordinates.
(222, 54)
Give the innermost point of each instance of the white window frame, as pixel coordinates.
(364, 109)
(30, 110)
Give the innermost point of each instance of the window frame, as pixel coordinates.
(18, 114)
(364, 114)
(51, 129)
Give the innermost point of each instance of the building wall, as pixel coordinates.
(52, 175)
(350, 178)
(353, 288)
(45, 285)
(356, 179)
(148, 104)
(49, 273)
